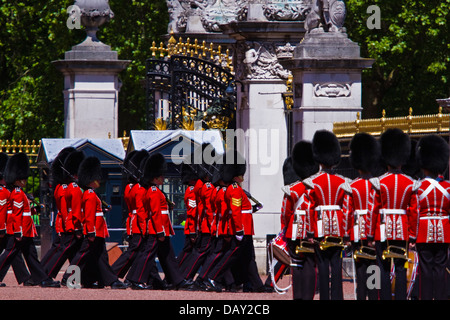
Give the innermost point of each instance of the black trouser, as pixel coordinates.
(385, 272)
(361, 265)
(123, 264)
(433, 260)
(227, 260)
(144, 264)
(330, 259)
(184, 257)
(245, 271)
(92, 258)
(198, 256)
(166, 257)
(27, 247)
(303, 273)
(66, 246)
(18, 265)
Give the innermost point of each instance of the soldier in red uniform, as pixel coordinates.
(365, 157)
(92, 253)
(18, 265)
(60, 187)
(432, 229)
(297, 219)
(391, 211)
(329, 220)
(189, 177)
(137, 217)
(20, 228)
(156, 202)
(152, 225)
(232, 227)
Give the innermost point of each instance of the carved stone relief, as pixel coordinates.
(332, 90)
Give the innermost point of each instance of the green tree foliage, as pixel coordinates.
(411, 52)
(34, 33)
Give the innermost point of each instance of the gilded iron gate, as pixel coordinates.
(188, 82)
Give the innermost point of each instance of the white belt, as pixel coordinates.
(26, 214)
(300, 212)
(70, 209)
(329, 207)
(164, 211)
(392, 211)
(133, 211)
(9, 212)
(361, 212)
(435, 218)
(247, 211)
(99, 214)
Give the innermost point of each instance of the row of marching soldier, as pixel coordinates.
(385, 217)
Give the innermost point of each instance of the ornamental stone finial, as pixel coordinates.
(94, 13)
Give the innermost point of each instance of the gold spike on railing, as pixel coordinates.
(411, 124)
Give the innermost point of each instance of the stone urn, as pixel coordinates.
(93, 13)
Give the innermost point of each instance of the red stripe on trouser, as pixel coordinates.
(8, 256)
(234, 250)
(201, 255)
(67, 248)
(212, 263)
(146, 260)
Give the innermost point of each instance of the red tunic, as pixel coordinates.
(127, 198)
(206, 215)
(4, 196)
(214, 210)
(19, 222)
(393, 207)
(296, 211)
(327, 198)
(432, 215)
(190, 225)
(234, 198)
(221, 212)
(357, 208)
(158, 210)
(94, 221)
(139, 215)
(73, 197)
(61, 214)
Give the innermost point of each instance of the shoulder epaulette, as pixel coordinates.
(346, 186)
(286, 190)
(191, 188)
(416, 185)
(235, 185)
(64, 186)
(74, 184)
(375, 183)
(154, 188)
(308, 182)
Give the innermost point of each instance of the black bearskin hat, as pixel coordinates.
(217, 174)
(135, 165)
(365, 152)
(203, 158)
(57, 167)
(3, 160)
(411, 167)
(433, 153)
(90, 170)
(303, 160)
(72, 163)
(234, 165)
(188, 173)
(155, 166)
(126, 162)
(395, 147)
(17, 168)
(289, 175)
(326, 148)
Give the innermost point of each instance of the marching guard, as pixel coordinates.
(390, 213)
(432, 230)
(365, 157)
(92, 257)
(329, 220)
(298, 222)
(20, 227)
(20, 269)
(137, 217)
